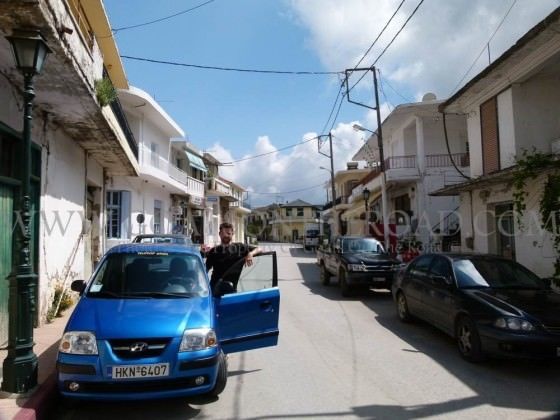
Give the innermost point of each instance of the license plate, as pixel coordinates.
(139, 371)
(379, 279)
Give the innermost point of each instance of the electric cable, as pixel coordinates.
(124, 28)
(484, 48)
(449, 149)
(390, 43)
(289, 192)
(272, 152)
(393, 89)
(198, 66)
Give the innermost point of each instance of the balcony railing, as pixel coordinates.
(443, 161)
(400, 162)
(215, 184)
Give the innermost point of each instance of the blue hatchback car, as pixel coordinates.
(147, 325)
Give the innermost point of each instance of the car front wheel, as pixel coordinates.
(325, 275)
(468, 340)
(402, 308)
(221, 379)
(344, 286)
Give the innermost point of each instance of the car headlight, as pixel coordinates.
(78, 342)
(514, 324)
(198, 339)
(357, 267)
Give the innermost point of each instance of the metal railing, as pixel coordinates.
(400, 162)
(216, 185)
(443, 161)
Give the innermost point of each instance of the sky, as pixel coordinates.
(236, 116)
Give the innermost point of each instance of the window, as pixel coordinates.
(289, 211)
(154, 155)
(421, 265)
(118, 214)
(157, 216)
(441, 267)
(300, 211)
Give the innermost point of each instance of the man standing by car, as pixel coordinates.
(223, 257)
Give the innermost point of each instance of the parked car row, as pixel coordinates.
(491, 306)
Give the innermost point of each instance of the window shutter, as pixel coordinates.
(490, 136)
(125, 214)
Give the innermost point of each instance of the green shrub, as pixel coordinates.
(105, 91)
(66, 302)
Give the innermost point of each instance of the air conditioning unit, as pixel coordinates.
(555, 146)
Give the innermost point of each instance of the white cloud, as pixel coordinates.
(431, 54)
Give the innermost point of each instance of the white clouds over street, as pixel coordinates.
(432, 54)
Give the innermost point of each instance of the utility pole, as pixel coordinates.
(348, 72)
(333, 190)
(382, 165)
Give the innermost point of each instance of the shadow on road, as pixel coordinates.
(514, 384)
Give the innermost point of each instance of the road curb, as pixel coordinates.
(41, 402)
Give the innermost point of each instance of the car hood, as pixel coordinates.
(368, 258)
(543, 305)
(131, 318)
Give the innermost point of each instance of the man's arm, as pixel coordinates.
(253, 251)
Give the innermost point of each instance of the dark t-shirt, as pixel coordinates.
(222, 257)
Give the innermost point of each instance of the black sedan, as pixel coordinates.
(490, 305)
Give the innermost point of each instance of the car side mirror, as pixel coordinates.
(78, 286)
(223, 288)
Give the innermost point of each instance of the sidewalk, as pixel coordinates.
(37, 403)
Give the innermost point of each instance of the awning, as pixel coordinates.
(196, 162)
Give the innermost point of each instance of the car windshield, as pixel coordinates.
(496, 273)
(362, 245)
(149, 274)
(163, 240)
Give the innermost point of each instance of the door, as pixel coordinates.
(6, 229)
(248, 319)
(440, 299)
(415, 285)
(505, 230)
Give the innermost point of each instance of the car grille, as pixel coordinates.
(380, 267)
(552, 329)
(136, 348)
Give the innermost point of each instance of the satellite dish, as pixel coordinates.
(429, 97)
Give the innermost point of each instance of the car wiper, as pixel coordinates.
(159, 294)
(108, 294)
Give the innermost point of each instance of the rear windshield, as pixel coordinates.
(312, 233)
(152, 274)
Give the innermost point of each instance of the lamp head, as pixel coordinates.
(365, 193)
(30, 50)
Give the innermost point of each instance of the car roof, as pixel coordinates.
(162, 235)
(133, 248)
(467, 255)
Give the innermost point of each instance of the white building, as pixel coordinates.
(169, 191)
(77, 143)
(511, 106)
(418, 161)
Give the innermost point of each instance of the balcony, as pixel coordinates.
(65, 89)
(215, 186)
(444, 161)
(158, 168)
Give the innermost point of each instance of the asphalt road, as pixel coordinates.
(351, 358)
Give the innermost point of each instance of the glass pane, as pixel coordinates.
(258, 276)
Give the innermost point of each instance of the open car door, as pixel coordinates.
(248, 318)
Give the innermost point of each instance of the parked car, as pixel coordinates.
(490, 305)
(147, 326)
(163, 238)
(358, 262)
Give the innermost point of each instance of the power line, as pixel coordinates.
(270, 153)
(197, 66)
(161, 19)
(333, 108)
(379, 35)
(390, 43)
(393, 89)
(484, 48)
(288, 192)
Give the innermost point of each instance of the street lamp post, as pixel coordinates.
(365, 193)
(20, 366)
